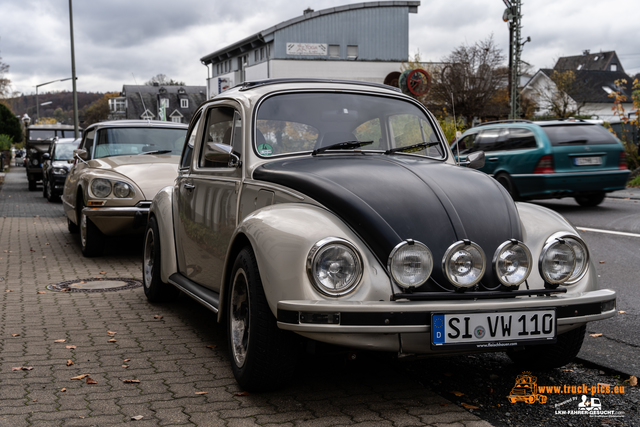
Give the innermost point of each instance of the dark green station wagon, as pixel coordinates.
(549, 159)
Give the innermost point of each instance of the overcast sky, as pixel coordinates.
(118, 39)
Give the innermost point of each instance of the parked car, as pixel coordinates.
(119, 167)
(549, 159)
(38, 141)
(55, 167)
(334, 211)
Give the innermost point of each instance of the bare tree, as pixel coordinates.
(163, 80)
(472, 76)
(5, 83)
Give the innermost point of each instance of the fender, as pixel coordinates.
(538, 224)
(161, 209)
(281, 237)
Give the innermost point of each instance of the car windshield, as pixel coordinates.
(579, 135)
(303, 122)
(147, 140)
(64, 151)
(37, 135)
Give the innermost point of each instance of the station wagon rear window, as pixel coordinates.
(579, 135)
(302, 122)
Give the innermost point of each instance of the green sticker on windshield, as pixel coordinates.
(265, 150)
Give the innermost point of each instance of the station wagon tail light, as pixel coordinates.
(334, 266)
(512, 263)
(545, 164)
(410, 264)
(557, 262)
(464, 263)
(622, 163)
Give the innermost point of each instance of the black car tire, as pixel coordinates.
(262, 356)
(73, 228)
(591, 200)
(44, 188)
(505, 180)
(551, 356)
(32, 185)
(91, 238)
(154, 288)
(49, 193)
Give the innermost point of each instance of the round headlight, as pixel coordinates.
(410, 264)
(59, 171)
(100, 187)
(582, 258)
(464, 263)
(122, 189)
(334, 266)
(512, 263)
(557, 261)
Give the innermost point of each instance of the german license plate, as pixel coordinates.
(493, 329)
(587, 161)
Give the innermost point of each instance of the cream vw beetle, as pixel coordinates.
(119, 167)
(334, 211)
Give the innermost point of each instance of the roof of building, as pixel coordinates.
(259, 37)
(600, 61)
(595, 85)
(141, 98)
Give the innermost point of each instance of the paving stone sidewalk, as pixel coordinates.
(176, 351)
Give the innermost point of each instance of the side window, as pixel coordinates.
(491, 140)
(237, 135)
(466, 145)
(187, 152)
(88, 144)
(408, 129)
(520, 139)
(218, 130)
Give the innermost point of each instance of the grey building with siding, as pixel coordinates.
(361, 41)
(168, 103)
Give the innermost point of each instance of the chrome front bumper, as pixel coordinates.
(119, 220)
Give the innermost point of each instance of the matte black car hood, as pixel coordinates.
(388, 199)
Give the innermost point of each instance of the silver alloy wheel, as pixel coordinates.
(83, 229)
(239, 316)
(148, 257)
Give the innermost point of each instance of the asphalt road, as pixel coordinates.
(617, 261)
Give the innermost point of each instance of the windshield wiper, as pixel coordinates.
(157, 152)
(346, 145)
(411, 147)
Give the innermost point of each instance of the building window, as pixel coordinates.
(117, 105)
(614, 67)
(184, 103)
(352, 51)
(176, 119)
(261, 53)
(334, 51)
(256, 56)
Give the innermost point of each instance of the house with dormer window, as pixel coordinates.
(167, 103)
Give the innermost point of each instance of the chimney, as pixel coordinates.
(586, 52)
(308, 11)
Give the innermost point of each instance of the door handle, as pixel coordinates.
(189, 187)
(492, 159)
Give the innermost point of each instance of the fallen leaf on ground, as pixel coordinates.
(47, 243)
(8, 290)
(15, 335)
(91, 380)
(125, 366)
(31, 249)
(458, 393)
(59, 340)
(157, 316)
(23, 368)
(111, 333)
(595, 335)
(601, 262)
(63, 389)
(201, 392)
(443, 404)
(113, 340)
(80, 377)
(466, 405)
(137, 418)
(43, 257)
(622, 312)
(126, 360)
(103, 272)
(131, 381)
(69, 362)
(567, 370)
(71, 347)
(447, 374)
(633, 381)
(243, 393)
(212, 346)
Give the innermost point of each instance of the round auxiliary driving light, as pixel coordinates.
(410, 264)
(557, 261)
(464, 264)
(512, 263)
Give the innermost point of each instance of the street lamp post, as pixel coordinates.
(44, 84)
(73, 74)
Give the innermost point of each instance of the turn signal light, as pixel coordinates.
(622, 163)
(545, 165)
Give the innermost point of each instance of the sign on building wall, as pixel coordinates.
(318, 49)
(224, 83)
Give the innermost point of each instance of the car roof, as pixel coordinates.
(301, 80)
(56, 126)
(139, 124)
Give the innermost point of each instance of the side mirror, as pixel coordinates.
(70, 161)
(221, 153)
(474, 160)
(46, 156)
(80, 153)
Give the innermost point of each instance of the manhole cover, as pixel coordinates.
(95, 285)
